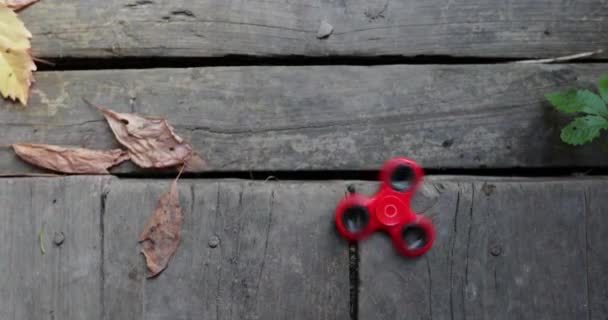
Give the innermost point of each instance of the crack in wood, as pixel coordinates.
(105, 190)
(353, 271)
(264, 255)
(430, 302)
(587, 267)
(466, 268)
(451, 255)
(402, 120)
(218, 298)
(138, 3)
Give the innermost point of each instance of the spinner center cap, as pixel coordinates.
(390, 210)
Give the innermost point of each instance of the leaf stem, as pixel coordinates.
(564, 58)
(41, 240)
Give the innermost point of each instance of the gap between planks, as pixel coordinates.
(83, 64)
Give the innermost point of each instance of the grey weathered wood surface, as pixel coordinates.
(209, 28)
(596, 214)
(319, 118)
(278, 255)
(65, 282)
(506, 249)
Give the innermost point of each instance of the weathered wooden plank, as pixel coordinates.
(64, 282)
(505, 249)
(210, 28)
(596, 209)
(318, 118)
(250, 250)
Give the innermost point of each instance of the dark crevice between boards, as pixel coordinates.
(102, 275)
(109, 63)
(353, 272)
(371, 175)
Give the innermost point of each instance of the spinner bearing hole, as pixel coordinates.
(402, 177)
(414, 237)
(355, 218)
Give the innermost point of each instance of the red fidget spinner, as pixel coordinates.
(389, 209)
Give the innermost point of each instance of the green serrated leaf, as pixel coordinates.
(602, 85)
(565, 101)
(592, 103)
(583, 129)
(573, 100)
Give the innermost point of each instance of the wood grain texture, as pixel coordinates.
(250, 250)
(319, 118)
(211, 28)
(506, 249)
(65, 281)
(596, 207)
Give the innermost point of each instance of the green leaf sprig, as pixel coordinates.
(594, 118)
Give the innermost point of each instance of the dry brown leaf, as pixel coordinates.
(70, 159)
(150, 140)
(162, 232)
(17, 4)
(195, 164)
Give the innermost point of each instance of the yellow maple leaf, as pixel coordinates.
(16, 63)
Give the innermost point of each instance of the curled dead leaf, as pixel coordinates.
(162, 232)
(195, 164)
(70, 159)
(151, 141)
